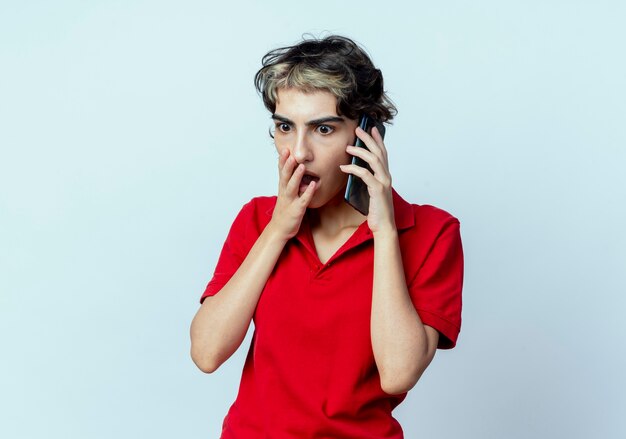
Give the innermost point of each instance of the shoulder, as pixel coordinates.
(421, 226)
(261, 205)
(433, 224)
(249, 223)
(427, 215)
(257, 212)
(421, 219)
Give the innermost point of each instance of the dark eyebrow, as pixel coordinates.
(319, 121)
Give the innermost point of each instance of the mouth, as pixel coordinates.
(307, 178)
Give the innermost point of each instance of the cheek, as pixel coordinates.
(340, 159)
(280, 145)
(342, 156)
(345, 158)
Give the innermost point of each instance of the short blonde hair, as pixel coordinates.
(335, 64)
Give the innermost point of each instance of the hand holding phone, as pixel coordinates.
(356, 190)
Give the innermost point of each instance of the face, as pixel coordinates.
(308, 126)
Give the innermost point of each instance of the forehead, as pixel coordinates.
(296, 102)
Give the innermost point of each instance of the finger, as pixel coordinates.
(282, 156)
(367, 177)
(307, 195)
(294, 182)
(369, 142)
(379, 168)
(379, 140)
(287, 171)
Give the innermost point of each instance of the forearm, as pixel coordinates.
(399, 340)
(221, 323)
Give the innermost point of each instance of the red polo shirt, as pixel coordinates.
(310, 370)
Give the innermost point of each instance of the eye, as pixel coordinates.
(325, 129)
(282, 127)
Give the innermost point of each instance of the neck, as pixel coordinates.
(335, 215)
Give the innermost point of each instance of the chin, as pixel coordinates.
(335, 199)
(315, 203)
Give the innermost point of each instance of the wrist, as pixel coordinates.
(387, 232)
(275, 233)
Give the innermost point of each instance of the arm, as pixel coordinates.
(221, 323)
(403, 346)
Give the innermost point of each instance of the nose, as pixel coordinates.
(302, 151)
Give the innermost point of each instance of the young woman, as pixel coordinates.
(348, 309)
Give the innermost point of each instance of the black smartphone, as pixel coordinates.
(356, 190)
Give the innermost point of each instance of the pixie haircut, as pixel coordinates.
(335, 64)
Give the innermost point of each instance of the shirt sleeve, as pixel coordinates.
(234, 251)
(436, 288)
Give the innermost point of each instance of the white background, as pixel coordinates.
(131, 135)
